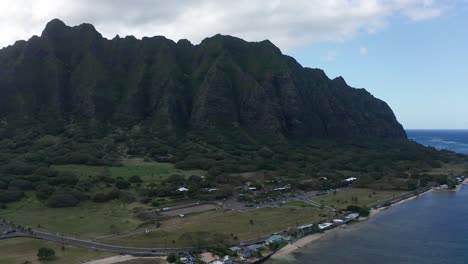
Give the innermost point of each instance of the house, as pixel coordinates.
(188, 260)
(235, 249)
(337, 221)
(305, 227)
(182, 189)
(323, 178)
(323, 226)
(208, 257)
(246, 253)
(350, 179)
(352, 216)
(275, 239)
(256, 247)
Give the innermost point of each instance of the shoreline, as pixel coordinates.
(311, 239)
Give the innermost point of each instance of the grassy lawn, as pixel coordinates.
(216, 226)
(87, 220)
(450, 169)
(19, 250)
(148, 171)
(297, 204)
(365, 197)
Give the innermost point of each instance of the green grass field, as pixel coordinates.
(205, 226)
(87, 220)
(297, 204)
(148, 171)
(19, 250)
(365, 197)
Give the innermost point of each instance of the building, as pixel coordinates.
(275, 239)
(182, 189)
(350, 179)
(324, 226)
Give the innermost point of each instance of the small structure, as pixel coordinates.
(208, 257)
(305, 227)
(256, 247)
(338, 221)
(235, 249)
(324, 226)
(275, 239)
(182, 189)
(350, 179)
(323, 178)
(352, 217)
(281, 188)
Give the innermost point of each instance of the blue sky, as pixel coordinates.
(411, 53)
(420, 69)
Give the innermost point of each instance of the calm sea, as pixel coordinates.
(456, 140)
(432, 229)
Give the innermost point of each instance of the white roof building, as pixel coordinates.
(183, 189)
(350, 179)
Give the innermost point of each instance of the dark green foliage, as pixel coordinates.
(122, 184)
(135, 179)
(61, 200)
(171, 258)
(362, 211)
(221, 250)
(451, 182)
(20, 184)
(8, 196)
(44, 191)
(106, 196)
(45, 254)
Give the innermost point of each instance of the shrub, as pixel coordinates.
(10, 196)
(171, 258)
(363, 211)
(122, 184)
(45, 254)
(135, 179)
(61, 200)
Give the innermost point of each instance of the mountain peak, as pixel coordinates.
(54, 27)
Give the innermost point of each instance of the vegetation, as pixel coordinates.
(224, 227)
(23, 250)
(356, 196)
(45, 254)
(362, 211)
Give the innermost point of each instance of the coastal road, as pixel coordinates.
(57, 238)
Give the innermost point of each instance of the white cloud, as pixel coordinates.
(288, 24)
(363, 51)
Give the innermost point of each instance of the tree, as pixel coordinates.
(451, 182)
(171, 258)
(45, 254)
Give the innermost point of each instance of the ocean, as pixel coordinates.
(456, 140)
(431, 229)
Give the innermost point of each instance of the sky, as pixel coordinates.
(410, 53)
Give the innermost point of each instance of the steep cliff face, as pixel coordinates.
(70, 74)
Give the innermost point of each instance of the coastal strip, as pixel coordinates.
(312, 238)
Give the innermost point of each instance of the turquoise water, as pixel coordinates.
(432, 229)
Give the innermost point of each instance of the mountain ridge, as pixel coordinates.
(73, 73)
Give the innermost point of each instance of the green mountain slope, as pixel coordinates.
(73, 74)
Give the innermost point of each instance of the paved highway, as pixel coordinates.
(9, 231)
